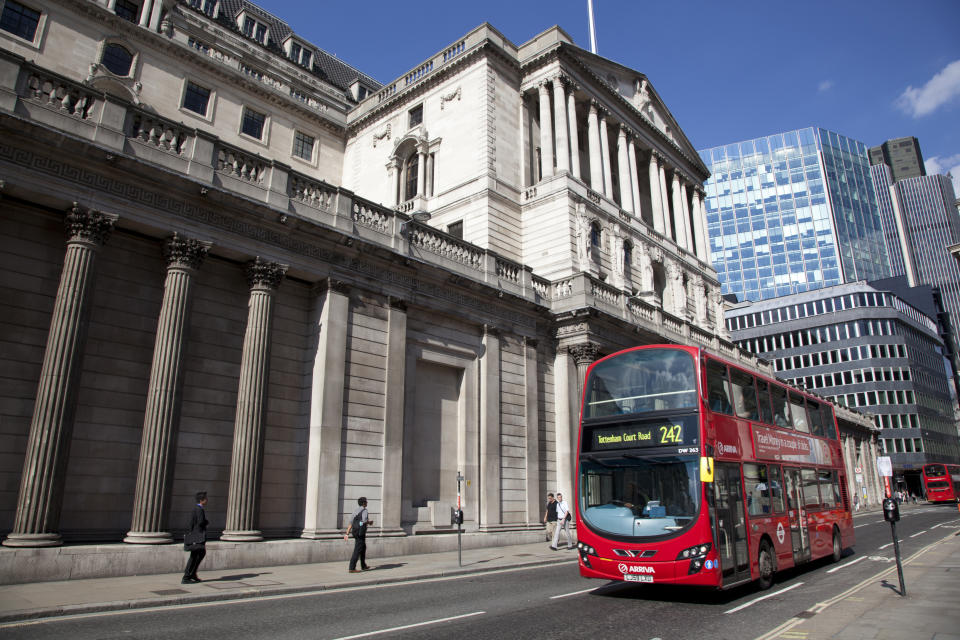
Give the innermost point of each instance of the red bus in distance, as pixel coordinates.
(942, 482)
(694, 471)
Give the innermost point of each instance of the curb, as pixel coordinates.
(35, 615)
(821, 606)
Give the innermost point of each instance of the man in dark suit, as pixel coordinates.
(359, 522)
(195, 540)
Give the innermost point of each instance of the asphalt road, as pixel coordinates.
(551, 601)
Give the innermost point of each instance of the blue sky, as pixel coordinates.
(728, 71)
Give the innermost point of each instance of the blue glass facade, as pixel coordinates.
(792, 212)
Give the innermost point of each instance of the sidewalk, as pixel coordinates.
(875, 610)
(46, 599)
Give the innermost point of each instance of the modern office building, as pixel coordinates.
(291, 286)
(792, 212)
(902, 155)
(872, 349)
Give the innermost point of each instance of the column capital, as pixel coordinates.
(264, 275)
(585, 353)
(492, 331)
(656, 155)
(397, 303)
(185, 253)
(568, 82)
(88, 226)
(542, 86)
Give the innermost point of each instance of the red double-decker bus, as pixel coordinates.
(942, 482)
(694, 471)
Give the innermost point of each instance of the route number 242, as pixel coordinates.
(671, 435)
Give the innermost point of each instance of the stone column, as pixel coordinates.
(161, 421)
(593, 138)
(560, 117)
(680, 229)
(155, 15)
(664, 202)
(145, 12)
(583, 356)
(699, 227)
(634, 177)
(243, 498)
(685, 214)
(546, 133)
(51, 428)
(623, 164)
(605, 157)
(656, 202)
(565, 418)
(532, 392)
(422, 174)
(331, 317)
(574, 134)
(393, 415)
(490, 498)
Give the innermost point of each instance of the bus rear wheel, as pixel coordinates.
(765, 562)
(837, 546)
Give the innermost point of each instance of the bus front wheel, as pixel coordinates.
(765, 562)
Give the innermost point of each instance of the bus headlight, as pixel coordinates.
(698, 551)
(585, 552)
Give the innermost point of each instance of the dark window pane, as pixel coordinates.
(19, 20)
(117, 59)
(456, 229)
(127, 10)
(416, 115)
(253, 123)
(744, 394)
(763, 397)
(413, 170)
(781, 411)
(718, 395)
(303, 146)
(757, 489)
(196, 98)
(776, 488)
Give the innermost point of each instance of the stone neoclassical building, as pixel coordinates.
(233, 262)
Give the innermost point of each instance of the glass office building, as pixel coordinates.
(792, 212)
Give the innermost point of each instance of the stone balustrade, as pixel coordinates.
(445, 245)
(240, 164)
(372, 217)
(509, 270)
(313, 193)
(67, 97)
(159, 133)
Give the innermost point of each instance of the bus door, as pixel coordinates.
(797, 515)
(731, 523)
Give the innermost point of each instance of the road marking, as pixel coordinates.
(889, 544)
(919, 533)
(844, 566)
(769, 595)
(411, 626)
(862, 525)
(575, 593)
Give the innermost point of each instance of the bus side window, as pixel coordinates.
(781, 410)
(763, 398)
(744, 394)
(776, 488)
(817, 427)
(718, 394)
(757, 489)
(811, 491)
(828, 496)
(800, 422)
(829, 423)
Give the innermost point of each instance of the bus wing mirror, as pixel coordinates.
(706, 469)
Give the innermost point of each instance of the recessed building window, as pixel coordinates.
(595, 236)
(196, 98)
(253, 29)
(117, 59)
(127, 10)
(19, 20)
(299, 54)
(303, 146)
(455, 229)
(207, 6)
(416, 115)
(412, 170)
(252, 124)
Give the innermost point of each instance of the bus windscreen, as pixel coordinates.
(641, 381)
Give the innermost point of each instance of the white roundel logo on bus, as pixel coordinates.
(780, 532)
(623, 568)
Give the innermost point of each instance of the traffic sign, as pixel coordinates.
(884, 466)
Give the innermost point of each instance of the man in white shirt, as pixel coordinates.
(563, 522)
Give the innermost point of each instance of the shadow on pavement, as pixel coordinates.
(395, 565)
(239, 576)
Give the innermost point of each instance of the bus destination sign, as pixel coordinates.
(631, 435)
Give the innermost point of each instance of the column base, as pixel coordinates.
(242, 536)
(148, 537)
(33, 540)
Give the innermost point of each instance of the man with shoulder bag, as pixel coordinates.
(563, 522)
(359, 522)
(195, 540)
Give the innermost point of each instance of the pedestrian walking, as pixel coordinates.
(563, 523)
(359, 522)
(550, 516)
(195, 540)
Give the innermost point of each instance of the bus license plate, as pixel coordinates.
(629, 577)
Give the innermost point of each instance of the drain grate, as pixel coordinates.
(805, 614)
(170, 592)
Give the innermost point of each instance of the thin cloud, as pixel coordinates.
(938, 91)
(943, 166)
(826, 85)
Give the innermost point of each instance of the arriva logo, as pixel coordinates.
(724, 449)
(636, 569)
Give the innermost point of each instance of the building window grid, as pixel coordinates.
(253, 123)
(20, 20)
(196, 98)
(303, 146)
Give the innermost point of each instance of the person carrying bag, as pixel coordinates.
(195, 540)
